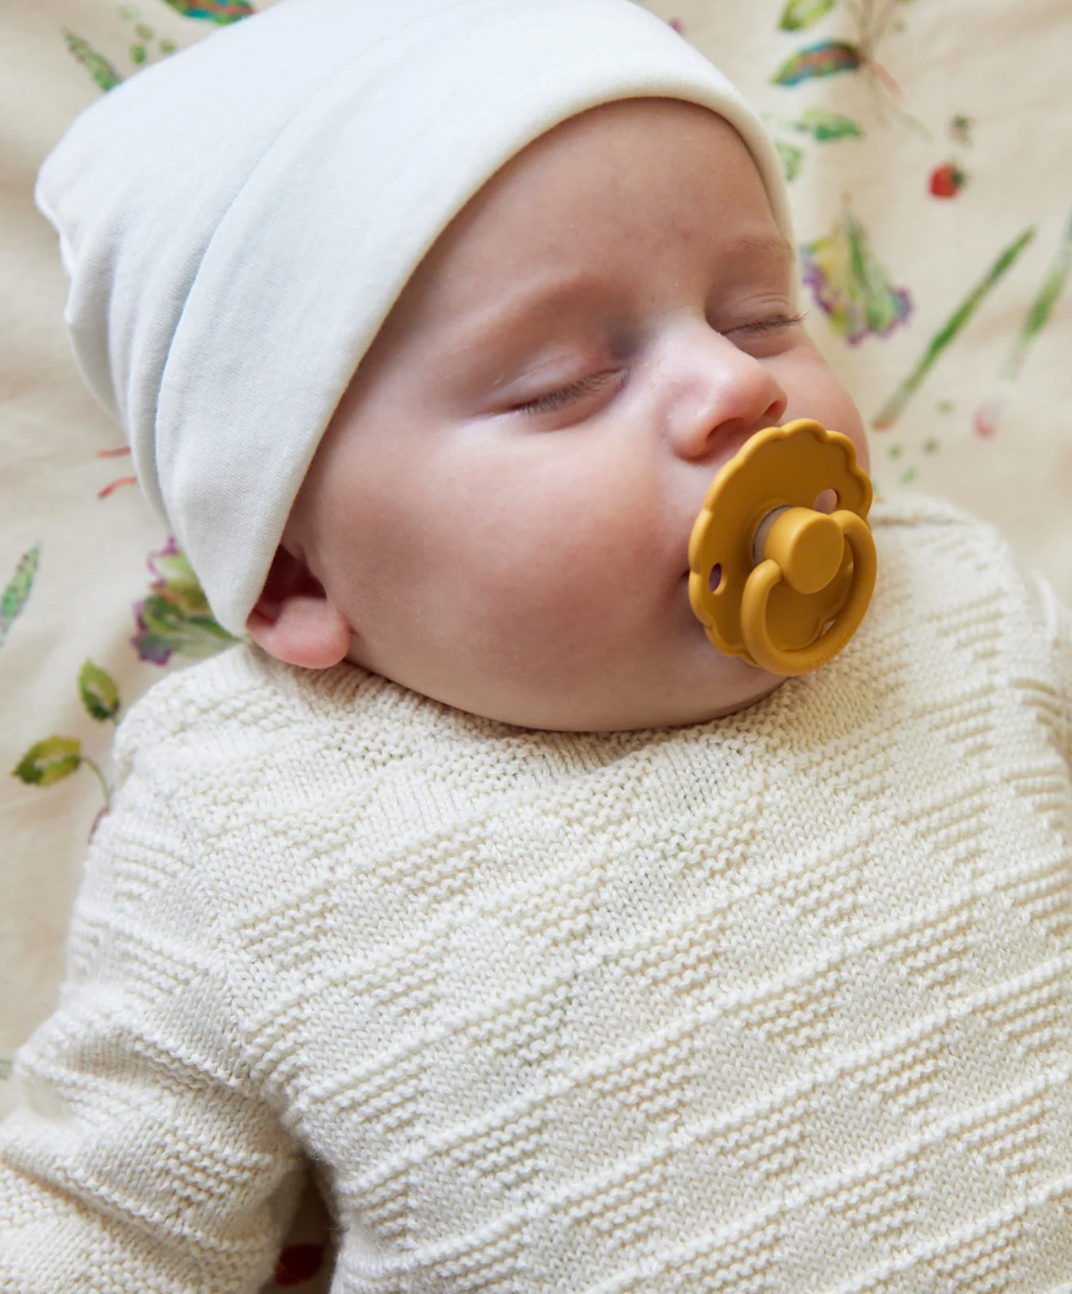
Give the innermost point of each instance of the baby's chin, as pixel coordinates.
(691, 683)
(735, 687)
(762, 685)
(668, 713)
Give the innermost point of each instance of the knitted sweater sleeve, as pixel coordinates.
(142, 1158)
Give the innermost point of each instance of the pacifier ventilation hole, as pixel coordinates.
(715, 577)
(826, 501)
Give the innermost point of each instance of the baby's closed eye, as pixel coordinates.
(764, 335)
(591, 385)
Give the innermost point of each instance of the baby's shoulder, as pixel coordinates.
(241, 714)
(239, 690)
(243, 772)
(953, 584)
(929, 550)
(927, 526)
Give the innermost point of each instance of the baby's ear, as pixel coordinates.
(294, 620)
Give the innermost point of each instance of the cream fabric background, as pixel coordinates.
(974, 88)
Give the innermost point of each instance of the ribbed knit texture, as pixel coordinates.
(775, 1004)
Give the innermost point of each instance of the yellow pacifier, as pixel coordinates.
(773, 579)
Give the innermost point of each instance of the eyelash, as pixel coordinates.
(769, 325)
(555, 400)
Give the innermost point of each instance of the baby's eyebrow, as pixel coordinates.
(763, 246)
(545, 299)
(527, 306)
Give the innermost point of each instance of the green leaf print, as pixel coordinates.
(894, 406)
(5, 1069)
(800, 14)
(95, 64)
(850, 284)
(49, 761)
(175, 615)
(220, 12)
(98, 691)
(826, 125)
(792, 158)
(825, 58)
(15, 596)
(989, 415)
(1042, 307)
(872, 21)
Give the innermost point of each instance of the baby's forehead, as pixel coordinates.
(657, 175)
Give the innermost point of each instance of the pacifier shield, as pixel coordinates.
(801, 602)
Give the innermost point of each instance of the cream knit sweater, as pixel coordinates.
(780, 1003)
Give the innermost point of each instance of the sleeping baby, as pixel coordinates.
(565, 950)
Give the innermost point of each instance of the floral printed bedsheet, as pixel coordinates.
(928, 148)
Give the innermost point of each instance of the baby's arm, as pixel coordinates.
(144, 1159)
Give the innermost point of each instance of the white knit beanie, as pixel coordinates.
(238, 220)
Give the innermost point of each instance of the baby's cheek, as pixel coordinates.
(815, 391)
(545, 586)
(838, 412)
(856, 432)
(566, 586)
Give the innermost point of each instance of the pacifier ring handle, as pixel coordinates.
(801, 548)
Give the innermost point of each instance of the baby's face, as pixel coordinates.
(501, 508)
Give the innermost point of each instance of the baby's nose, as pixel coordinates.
(720, 396)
